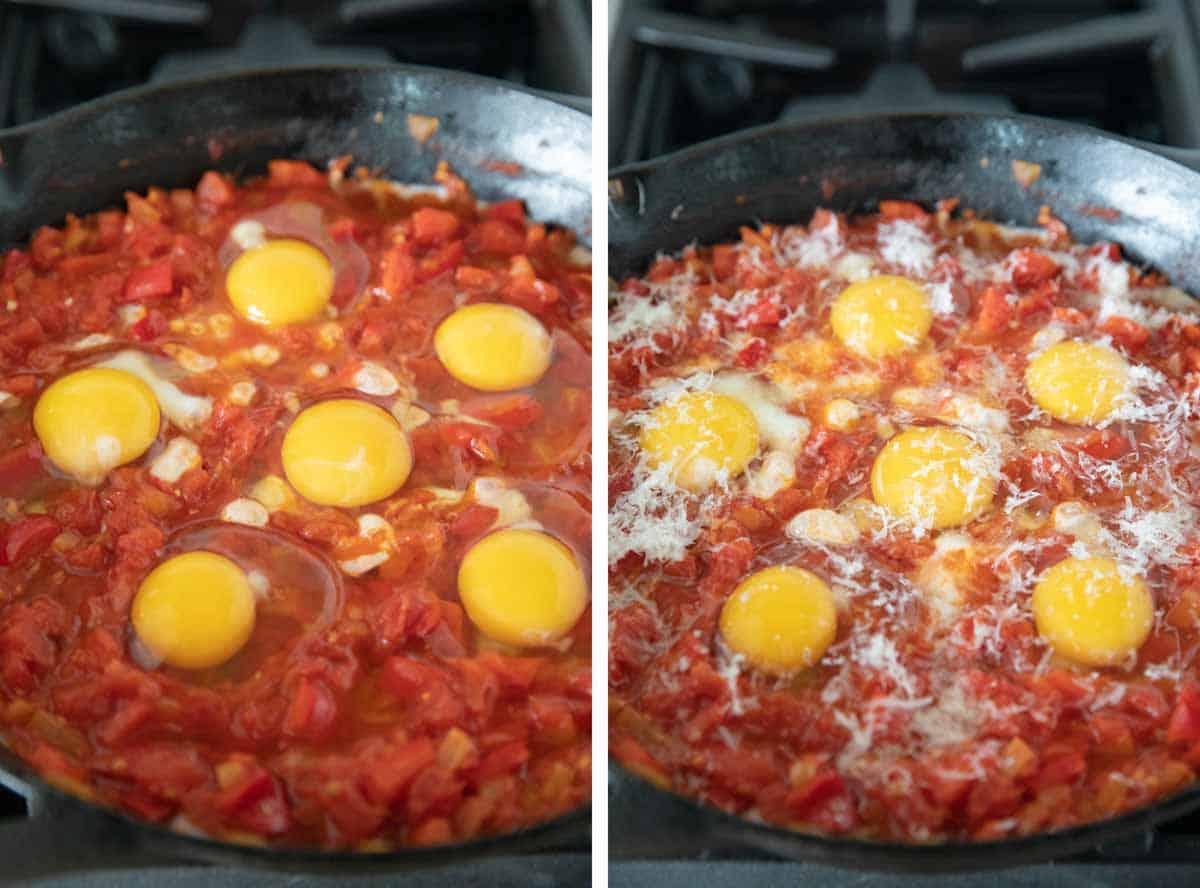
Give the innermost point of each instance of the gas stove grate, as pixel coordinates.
(56, 54)
(683, 72)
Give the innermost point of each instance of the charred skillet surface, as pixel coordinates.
(503, 141)
(782, 174)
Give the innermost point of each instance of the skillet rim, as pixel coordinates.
(134, 93)
(158, 839)
(1180, 156)
(859, 853)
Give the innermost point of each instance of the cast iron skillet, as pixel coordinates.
(503, 141)
(781, 174)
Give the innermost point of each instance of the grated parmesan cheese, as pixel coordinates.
(906, 245)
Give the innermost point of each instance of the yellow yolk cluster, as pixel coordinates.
(781, 619)
(91, 421)
(700, 435)
(493, 348)
(522, 587)
(346, 453)
(1078, 382)
(195, 610)
(934, 477)
(881, 316)
(1090, 613)
(280, 282)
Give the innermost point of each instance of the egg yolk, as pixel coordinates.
(1078, 382)
(493, 348)
(195, 610)
(522, 587)
(91, 421)
(700, 435)
(934, 477)
(781, 619)
(346, 453)
(881, 316)
(280, 282)
(1090, 613)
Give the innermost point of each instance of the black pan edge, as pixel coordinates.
(780, 173)
(504, 141)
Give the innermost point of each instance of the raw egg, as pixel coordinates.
(493, 348)
(280, 282)
(522, 587)
(935, 477)
(91, 421)
(881, 316)
(195, 610)
(282, 266)
(346, 453)
(1078, 382)
(781, 619)
(1092, 613)
(701, 435)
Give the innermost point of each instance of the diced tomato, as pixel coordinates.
(724, 261)
(46, 247)
(552, 720)
(313, 711)
(20, 467)
(901, 209)
(434, 831)
(473, 521)
(753, 353)
(441, 260)
(995, 312)
(509, 411)
(535, 296)
(27, 641)
(295, 174)
(472, 278)
(15, 262)
(215, 191)
(496, 236)
(149, 283)
(1030, 267)
(388, 776)
(1129, 335)
(1184, 727)
(29, 537)
(510, 211)
(1064, 768)
(256, 802)
(434, 226)
(434, 791)
(502, 760)
(399, 271)
(1112, 734)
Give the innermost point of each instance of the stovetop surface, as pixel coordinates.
(57, 54)
(682, 71)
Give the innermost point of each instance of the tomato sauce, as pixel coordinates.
(365, 712)
(938, 713)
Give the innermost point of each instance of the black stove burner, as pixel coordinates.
(268, 41)
(682, 72)
(58, 53)
(894, 86)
